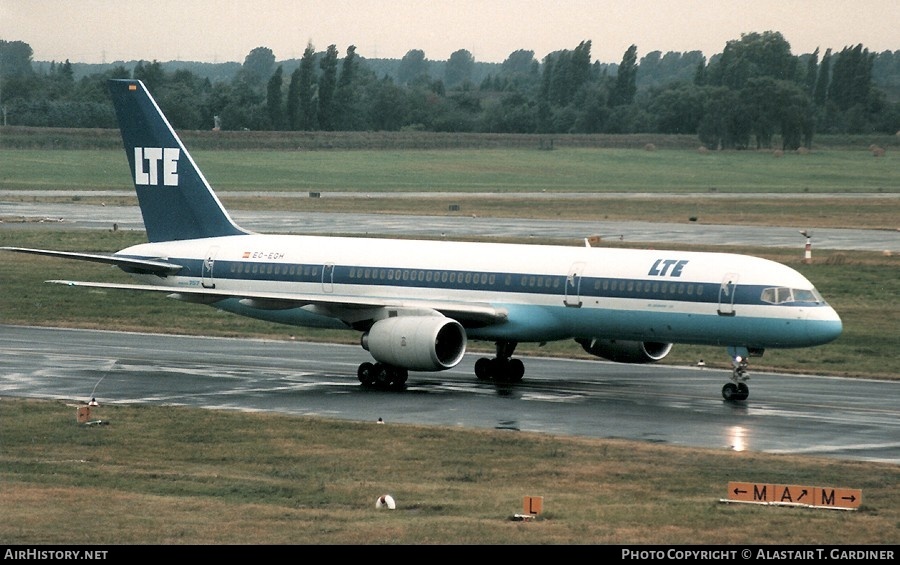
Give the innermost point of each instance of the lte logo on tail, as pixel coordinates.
(147, 162)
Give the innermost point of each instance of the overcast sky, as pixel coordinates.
(96, 31)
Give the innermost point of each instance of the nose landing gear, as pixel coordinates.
(737, 389)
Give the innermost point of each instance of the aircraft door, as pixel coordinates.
(207, 279)
(726, 294)
(328, 277)
(573, 286)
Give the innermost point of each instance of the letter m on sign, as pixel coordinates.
(750, 492)
(759, 492)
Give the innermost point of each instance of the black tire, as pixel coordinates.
(499, 369)
(398, 381)
(483, 369)
(730, 391)
(383, 375)
(516, 369)
(366, 374)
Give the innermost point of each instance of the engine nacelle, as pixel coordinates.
(626, 351)
(417, 343)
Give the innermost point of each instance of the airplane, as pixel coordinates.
(417, 303)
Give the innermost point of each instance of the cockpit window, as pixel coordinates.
(784, 295)
(802, 295)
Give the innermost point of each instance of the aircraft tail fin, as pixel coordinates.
(176, 201)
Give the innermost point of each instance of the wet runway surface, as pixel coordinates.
(819, 416)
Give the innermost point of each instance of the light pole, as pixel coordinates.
(807, 253)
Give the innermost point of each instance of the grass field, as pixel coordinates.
(479, 170)
(157, 475)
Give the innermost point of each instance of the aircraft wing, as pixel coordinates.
(337, 306)
(143, 265)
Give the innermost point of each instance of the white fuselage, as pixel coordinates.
(545, 292)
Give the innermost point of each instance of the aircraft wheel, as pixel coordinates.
(506, 370)
(516, 370)
(366, 374)
(483, 369)
(499, 369)
(743, 391)
(730, 391)
(382, 375)
(398, 378)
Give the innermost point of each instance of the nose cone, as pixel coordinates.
(824, 325)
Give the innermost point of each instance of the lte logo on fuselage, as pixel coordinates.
(147, 161)
(667, 268)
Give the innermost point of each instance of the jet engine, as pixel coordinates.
(626, 351)
(417, 343)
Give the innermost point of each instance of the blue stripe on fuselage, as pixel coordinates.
(522, 283)
(548, 322)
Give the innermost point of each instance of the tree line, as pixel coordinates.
(755, 94)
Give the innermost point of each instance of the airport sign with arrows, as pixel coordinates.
(795, 495)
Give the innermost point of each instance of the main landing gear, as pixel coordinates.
(737, 389)
(379, 375)
(502, 368)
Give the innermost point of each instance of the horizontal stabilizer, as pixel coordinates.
(144, 265)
